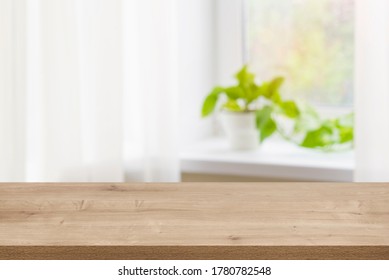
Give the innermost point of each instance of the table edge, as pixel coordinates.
(194, 252)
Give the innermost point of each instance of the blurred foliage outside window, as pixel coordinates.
(309, 42)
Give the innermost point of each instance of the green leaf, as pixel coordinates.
(319, 138)
(234, 92)
(290, 109)
(345, 125)
(252, 93)
(271, 90)
(211, 102)
(264, 90)
(244, 77)
(331, 133)
(346, 135)
(265, 123)
(276, 84)
(233, 106)
(256, 91)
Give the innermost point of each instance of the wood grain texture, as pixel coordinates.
(195, 221)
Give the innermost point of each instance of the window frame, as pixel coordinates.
(230, 38)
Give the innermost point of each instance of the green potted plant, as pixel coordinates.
(246, 109)
(251, 113)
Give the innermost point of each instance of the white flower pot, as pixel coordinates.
(241, 130)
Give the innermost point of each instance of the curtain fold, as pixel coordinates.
(12, 89)
(372, 91)
(99, 101)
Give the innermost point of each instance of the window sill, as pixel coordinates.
(274, 159)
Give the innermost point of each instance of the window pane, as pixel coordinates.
(310, 42)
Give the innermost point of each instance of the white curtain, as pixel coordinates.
(88, 90)
(372, 91)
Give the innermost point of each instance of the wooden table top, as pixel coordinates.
(194, 216)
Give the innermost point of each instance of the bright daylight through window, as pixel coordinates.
(309, 42)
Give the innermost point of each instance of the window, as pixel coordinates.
(309, 42)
